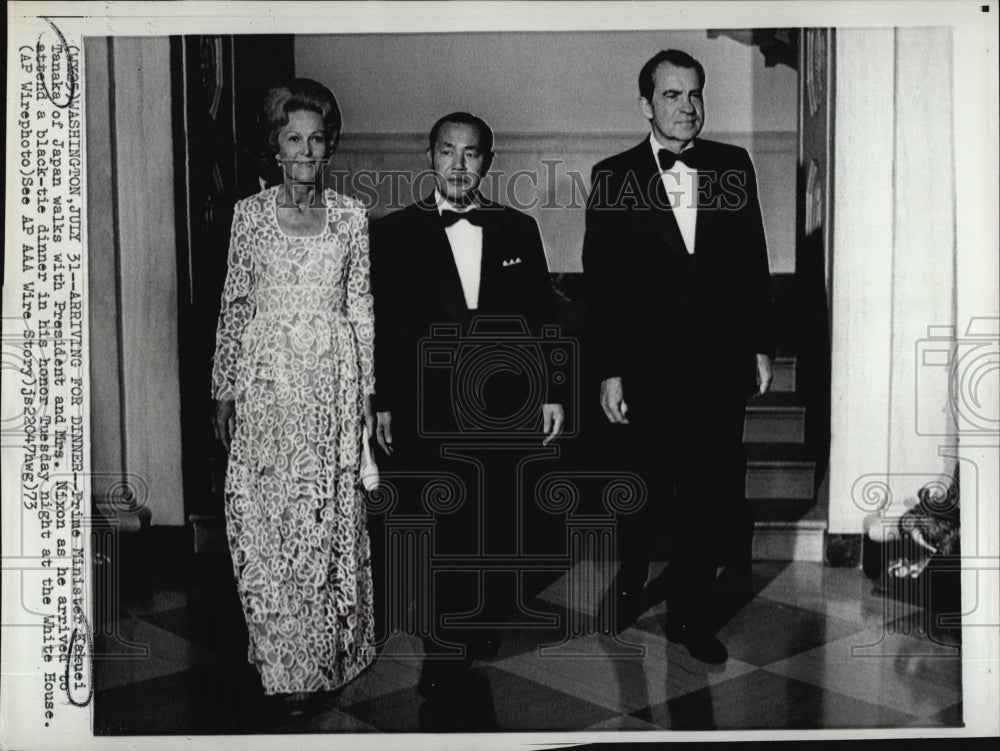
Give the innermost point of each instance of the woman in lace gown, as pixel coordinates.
(291, 378)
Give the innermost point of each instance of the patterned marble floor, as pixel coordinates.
(810, 647)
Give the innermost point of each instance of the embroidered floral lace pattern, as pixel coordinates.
(294, 350)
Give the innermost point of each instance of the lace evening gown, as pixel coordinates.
(294, 350)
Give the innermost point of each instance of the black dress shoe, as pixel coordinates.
(707, 648)
(677, 630)
(700, 644)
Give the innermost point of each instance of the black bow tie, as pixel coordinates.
(692, 158)
(472, 216)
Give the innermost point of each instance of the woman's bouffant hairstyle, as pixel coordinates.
(279, 101)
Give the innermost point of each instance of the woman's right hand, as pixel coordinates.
(222, 420)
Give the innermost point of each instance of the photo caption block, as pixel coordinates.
(46, 550)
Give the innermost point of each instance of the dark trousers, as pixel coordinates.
(450, 499)
(686, 441)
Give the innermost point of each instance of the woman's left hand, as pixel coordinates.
(370, 421)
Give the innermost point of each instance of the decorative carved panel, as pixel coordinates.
(217, 85)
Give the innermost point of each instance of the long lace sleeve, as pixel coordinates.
(359, 307)
(238, 308)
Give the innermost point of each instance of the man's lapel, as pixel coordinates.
(710, 176)
(442, 261)
(655, 195)
(492, 247)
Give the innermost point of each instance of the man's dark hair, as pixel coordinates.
(674, 57)
(465, 118)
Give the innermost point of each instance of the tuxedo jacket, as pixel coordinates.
(653, 308)
(416, 287)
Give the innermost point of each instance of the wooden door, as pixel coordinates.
(813, 260)
(219, 83)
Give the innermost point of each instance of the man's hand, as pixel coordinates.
(384, 431)
(223, 416)
(553, 418)
(613, 401)
(765, 374)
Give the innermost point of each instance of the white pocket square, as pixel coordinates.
(511, 261)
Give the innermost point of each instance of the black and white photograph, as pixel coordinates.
(514, 373)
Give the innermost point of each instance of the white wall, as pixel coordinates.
(131, 246)
(914, 258)
(536, 82)
(908, 278)
(568, 91)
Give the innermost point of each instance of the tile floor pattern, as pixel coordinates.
(811, 647)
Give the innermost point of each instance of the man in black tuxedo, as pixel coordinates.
(444, 260)
(681, 335)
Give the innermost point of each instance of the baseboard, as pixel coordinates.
(800, 540)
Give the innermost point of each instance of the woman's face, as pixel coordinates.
(300, 142)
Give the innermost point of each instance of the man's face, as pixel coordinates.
(676, 111)
(458, 160)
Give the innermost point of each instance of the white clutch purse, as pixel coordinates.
(369, 469)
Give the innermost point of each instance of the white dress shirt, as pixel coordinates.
(681, 185)
(466, 240)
